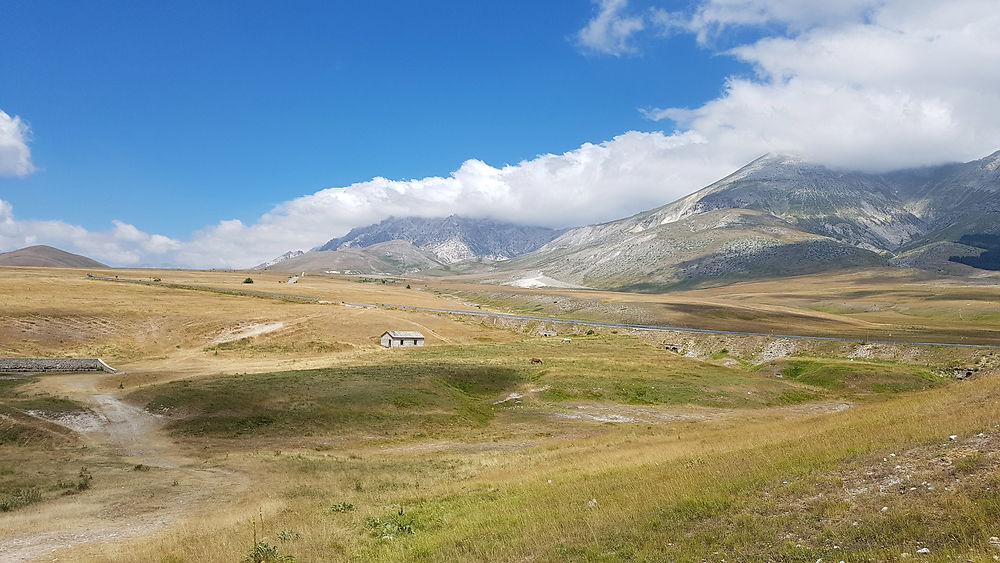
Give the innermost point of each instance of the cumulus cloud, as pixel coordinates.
(122, 244)
(863, 84)
(596, 182)
(609, 31)
(15, 156)
(713, 16)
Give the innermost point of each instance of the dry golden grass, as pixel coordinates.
(887, 304)
(709, 473)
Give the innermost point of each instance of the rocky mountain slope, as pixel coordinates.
(451, 239)
(779, 216)
(47, 256)
(286, 256)
(405, 244)
(390, 257)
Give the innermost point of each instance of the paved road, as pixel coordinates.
(209, 288)
(672, 328)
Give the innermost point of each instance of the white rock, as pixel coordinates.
(592, 503)
(923, 550)
(885, 509)
(952, 437)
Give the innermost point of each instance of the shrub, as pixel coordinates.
(19, 498)
(387, 528)
(248, 280)
(85, 478)
(264, 553)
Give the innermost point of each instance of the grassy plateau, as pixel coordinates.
(244, 428)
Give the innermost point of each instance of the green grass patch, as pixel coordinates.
(391, 400)
(859, 377)
(9, 385)
(48, 405)
(257, 346)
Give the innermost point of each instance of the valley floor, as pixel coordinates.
(253, 428)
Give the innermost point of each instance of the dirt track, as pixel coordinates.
(132, 436)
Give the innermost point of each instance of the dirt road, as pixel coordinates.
(148, 482)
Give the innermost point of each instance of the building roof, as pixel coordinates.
(403, 334)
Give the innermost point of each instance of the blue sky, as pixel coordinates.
(175, 115)
(211, 134)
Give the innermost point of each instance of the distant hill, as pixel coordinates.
(405, 244)
(780, 216)
(46, 256)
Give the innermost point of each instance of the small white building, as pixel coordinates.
(402, 338)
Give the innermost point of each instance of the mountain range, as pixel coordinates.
(408, 244)
(778, 216)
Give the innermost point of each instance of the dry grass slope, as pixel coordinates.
(613, 448)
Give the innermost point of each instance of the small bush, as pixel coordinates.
(248, 280)
(387, 528)
(342, 507)
(18, 498)
(264, 553)
(85, 478)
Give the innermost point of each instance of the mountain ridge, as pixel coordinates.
(781, 215)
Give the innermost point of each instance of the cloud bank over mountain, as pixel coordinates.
(861, 84)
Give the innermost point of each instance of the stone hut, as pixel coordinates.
(402, 338)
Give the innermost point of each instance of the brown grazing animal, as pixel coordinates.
(536, 360)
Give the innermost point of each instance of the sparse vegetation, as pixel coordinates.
(19, 498)
(462, 450)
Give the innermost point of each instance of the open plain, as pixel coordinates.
(253, 428)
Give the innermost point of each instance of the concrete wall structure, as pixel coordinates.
(54, 364)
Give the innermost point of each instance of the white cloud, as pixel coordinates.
(596, 182)
(712, 16)
(860, 84)
(15, 156)
(123, 244)
(609, 31)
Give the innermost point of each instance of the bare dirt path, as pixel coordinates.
(153, 483)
